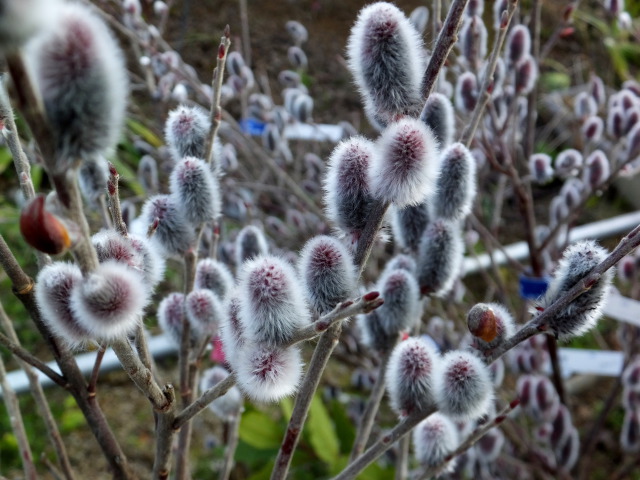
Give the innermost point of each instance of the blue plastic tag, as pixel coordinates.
(252, 126)
(533, 287)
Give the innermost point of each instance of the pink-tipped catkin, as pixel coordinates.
(327, 272)
(80, 72)
(110, 301)
(195, 190)
(582, 313)
(404, 171)
(439, 257)
(215, 276)
(433, 439)
(54, 285)
(171, 316)
(174, 234)
(456, 183)
(186, 132)
(540, 168)
(490, 324)
(228, 405)
(409, 376)
(204, 311)
(268, 374)
(348, 196)
(462, 386)
(272, 305)
(518, 43)
(231, 329)
(385, 56)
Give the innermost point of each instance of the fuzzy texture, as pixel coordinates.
(409, 377)
(228, 405)
(592, 129)
(490, 324)
(540, 168)
(174, 234)
(110, 245)
(526, 75)
(92, 179)
(152, 263)
(186, 132)
(466, 92)
(54, 285)
(171, 316)
(215, 276)
(568, 163)
(204, 311)
(327, 272)
(232, 332)
(456, 184)
(80, 72)
(385, 56)
(110, 301)
(440, 257)
(473, 40)
(518, 43)
(272, 305)
(21, 20)
(195, 190)
(462, 386)
(268, 374)
(348, 196)
(400, 262)
(408, 224)
(433, 439)
(419, 18)
(404, 172)
(148, 174)
(439, 116)
(250, 244)
(583, 312)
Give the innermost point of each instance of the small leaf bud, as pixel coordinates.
(43, 230)
(491, 324)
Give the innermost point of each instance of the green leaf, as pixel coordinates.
(264, 473)
(146, 134)
(345, 429)
(260, 431)
(322, 432)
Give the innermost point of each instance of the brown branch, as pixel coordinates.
(215, 113)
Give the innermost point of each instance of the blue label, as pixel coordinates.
(252, 126)
(533, 287)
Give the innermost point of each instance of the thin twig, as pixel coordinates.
(369, 415)
(113, 192)
(205, 399)
(233, 435)
(402, 460)
(17, 425)
(95, 372)
(447, 38)
(471, 440)
(215, 114)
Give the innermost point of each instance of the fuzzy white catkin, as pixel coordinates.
(186, 132)
(272, 305)
(250, 243)
(409, 376)
(439, 116)
(433, 439)
(170, 316)
(408, 225)
(386, 58)
(80, 71)
(440, 257)
(327, 272)
(110, 301)
(204, 311)
(582, 313)
(228, 405)
(153, 265)
(348, 196)
(462, 386)
(22, 19)
(231, 329)
(456, 183)
(54, 285)
(195, 190)
(215, 276)
(268, 374)
(404, 171)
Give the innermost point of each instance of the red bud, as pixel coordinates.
(43, 230)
